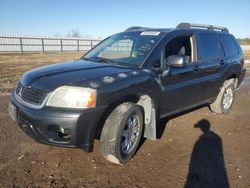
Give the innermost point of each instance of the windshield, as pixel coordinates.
(128, 48)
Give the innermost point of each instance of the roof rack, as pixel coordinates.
(209, 27)
(136, 28)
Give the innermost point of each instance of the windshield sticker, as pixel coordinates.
(153, 33)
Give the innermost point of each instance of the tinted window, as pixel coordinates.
(229, 46)
(210, 47)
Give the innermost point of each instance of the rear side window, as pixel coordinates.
(210, 46)
(229, 46)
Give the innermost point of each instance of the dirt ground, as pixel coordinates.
(195, 149)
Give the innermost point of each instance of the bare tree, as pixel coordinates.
(57, 35)
(75, 33)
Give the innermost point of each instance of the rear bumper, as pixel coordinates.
(241, 76)
(59, 127)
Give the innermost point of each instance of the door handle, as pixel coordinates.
(222, 62)
(197, 68)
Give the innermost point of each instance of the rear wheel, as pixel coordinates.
(224, 101)
(121, 133)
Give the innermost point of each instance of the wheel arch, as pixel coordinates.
(148, 105)
(233, 77)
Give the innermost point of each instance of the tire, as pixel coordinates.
(124, 124)
(225, 98)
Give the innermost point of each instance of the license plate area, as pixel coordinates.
(13, 112)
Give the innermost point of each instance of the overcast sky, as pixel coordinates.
(104, 17)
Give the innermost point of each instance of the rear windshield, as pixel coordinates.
(229, 46)
(210, 46)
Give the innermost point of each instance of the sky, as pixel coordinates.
(101, 18)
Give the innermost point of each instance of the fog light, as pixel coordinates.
(58, 133)
(61, 130)
(63, 134)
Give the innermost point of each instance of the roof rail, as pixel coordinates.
(136, 28)
(209, 27)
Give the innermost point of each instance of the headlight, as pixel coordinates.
(73, 97)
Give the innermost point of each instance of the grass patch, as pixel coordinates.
(247, 54)
(14, 65)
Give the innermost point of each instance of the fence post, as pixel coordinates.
(61, 45)
(91, 44)
(21, 45)
(42, 45)
(78, 48)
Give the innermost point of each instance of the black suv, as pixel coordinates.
(119, 89)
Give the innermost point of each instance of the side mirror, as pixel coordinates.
(177, 61)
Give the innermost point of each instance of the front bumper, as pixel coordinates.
(56, 126)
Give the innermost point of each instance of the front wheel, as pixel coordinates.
(225, 98)
(121, 133)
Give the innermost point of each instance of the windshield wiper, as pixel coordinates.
(84, 58)
(100, 59)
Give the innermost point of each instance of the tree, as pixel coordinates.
(245, 41)
(74, 33)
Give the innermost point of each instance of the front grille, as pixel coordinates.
(31, 95)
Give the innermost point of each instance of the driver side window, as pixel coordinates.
(181, 45)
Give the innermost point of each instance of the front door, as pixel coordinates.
(181, 87)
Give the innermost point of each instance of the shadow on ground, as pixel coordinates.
(207, 166)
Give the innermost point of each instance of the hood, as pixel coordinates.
(74, 72)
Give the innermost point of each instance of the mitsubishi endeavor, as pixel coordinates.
(119, 89)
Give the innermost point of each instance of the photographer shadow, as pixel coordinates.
(207, 167)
